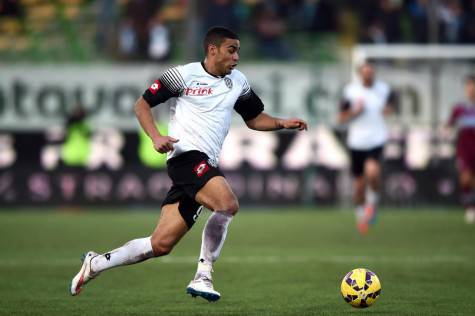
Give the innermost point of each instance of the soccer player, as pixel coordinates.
(204, 96)
(364, 105)
(463, 117)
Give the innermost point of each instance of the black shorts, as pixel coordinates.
(358, 158)
(189, 172)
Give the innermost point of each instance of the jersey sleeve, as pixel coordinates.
(169, 85)
(249, 105)
(345, 102)
(454, 115)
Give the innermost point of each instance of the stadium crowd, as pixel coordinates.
(146, 29)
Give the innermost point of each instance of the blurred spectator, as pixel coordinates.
(76, 146)
(467, 30)
(127, 39)
(291, 11)
(10, 8)
(159, 40)
(385, 22)
(222, 13)
(106, 22)
(323, 16)
(419, 13)
(138, 14)
(450, 15)
(270, 31)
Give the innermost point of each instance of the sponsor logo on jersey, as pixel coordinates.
(198, 91)
(197, 83)
(155, 87)
(201, 168)
(228, 82)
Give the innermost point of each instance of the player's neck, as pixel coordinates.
(211, 68)
(368, 83)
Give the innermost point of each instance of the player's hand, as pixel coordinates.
(358, 107)
(294, 123)
(164, 144)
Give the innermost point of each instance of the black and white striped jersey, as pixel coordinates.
(203, 105)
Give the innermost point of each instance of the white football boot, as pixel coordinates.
(202, 286)
(85, 274)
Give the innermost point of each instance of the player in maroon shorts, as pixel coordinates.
(463, 118)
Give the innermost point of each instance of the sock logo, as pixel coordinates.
(108, 256)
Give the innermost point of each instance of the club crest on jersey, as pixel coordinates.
(201, 168)
(228, 82)
(155, 87)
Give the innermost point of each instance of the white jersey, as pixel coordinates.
(367, 130)
(202, 109)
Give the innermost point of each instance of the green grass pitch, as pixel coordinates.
(275, 262)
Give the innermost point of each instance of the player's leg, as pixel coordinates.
(372, 171)
(170, 229)
(466, 170)
(467, 185)
(217, 196)
(359, 187)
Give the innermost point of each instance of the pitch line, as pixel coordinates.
(409, 259)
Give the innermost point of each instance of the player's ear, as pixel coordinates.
(212, 50)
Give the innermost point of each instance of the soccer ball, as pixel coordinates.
(360, 288)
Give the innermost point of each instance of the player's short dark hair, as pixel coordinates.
(216, 35)
(470, 79)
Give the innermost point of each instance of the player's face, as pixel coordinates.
(470, 90)
(367, 73)
(227, 55)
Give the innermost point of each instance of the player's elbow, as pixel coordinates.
(251, 124)
(140, 106)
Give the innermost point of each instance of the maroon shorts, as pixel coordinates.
(466, 158)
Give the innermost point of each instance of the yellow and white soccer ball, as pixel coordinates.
(360, 288)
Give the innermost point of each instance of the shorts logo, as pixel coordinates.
(201, 168)
(155, 87)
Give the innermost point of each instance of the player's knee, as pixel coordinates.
(230, 206)
(161, 247)
(465, 180)
(372, 169)
(233, 207)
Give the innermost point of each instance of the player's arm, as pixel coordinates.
(251, 108)
(453, 116)
(348, 111)
(391, 103)
(265, 122)
(156, 94)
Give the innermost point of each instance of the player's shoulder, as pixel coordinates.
(185, 69)
(238, 75)
(459, 106)
(382, 85)
(351, 87)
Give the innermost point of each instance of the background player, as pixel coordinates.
(205, 95)
(463, 118)
(364, 105)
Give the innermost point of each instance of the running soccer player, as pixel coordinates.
(205, 95)
(463, 117)
(364, 105)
